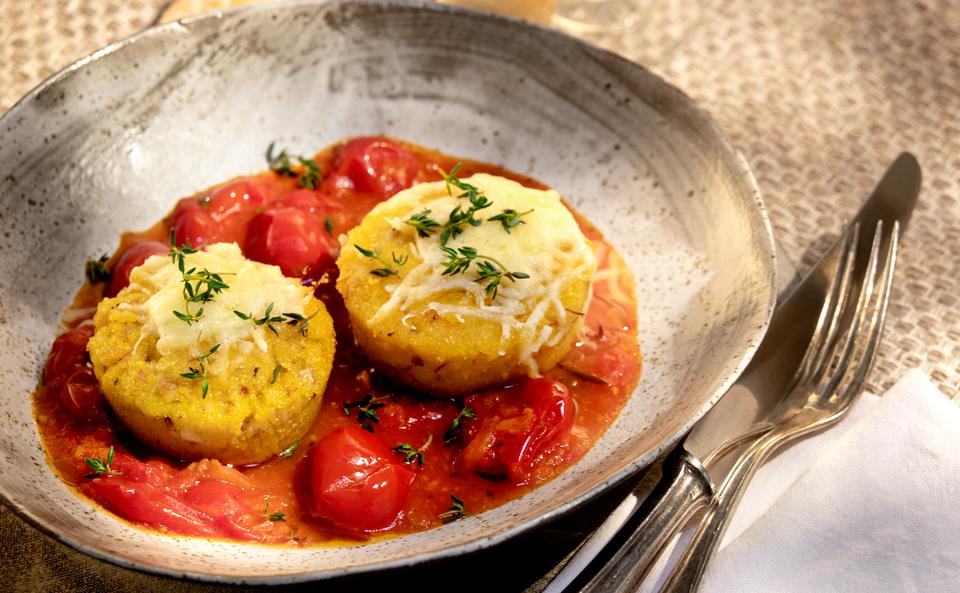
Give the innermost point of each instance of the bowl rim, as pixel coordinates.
(738, 164)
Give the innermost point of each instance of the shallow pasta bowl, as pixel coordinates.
(111, 142)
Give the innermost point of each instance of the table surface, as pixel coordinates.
(819, 96)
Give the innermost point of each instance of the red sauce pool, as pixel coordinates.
(600, 372)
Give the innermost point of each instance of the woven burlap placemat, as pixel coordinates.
(819, 96)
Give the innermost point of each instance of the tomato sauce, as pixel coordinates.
(275, 502)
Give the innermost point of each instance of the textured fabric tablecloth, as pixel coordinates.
(818, 95)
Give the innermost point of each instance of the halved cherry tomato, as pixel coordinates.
(289, 238)
(82, 398)
(131, 258)
(69, 351)
(515, 427)
(376, 166)
(148, 504)
(192, 225)
(232, 206)
(357, 482)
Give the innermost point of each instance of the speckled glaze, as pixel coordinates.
(111, 142)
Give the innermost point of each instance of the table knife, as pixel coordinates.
(690, 472)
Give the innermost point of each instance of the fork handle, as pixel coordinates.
(683, 489)
(688, 572)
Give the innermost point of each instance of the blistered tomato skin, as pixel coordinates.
(82, 398)
(514, 428)
(233, 206)
(376, 166)
(192, 225)
(131, 258)
(357, 482)
(67, 355)
(289, 238)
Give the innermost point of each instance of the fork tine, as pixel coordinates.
(838, 293)
(852, 333)
(878, 318)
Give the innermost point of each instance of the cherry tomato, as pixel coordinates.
(155, 472)
(376, 166)
(515, 427)
(148, 504)
(306, 200)
(357, 482)
(289, 238)
(82, 398)
(131, 258)
(69, 351)
(232, 206)
(192, 225)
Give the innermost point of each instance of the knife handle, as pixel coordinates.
(683, 489)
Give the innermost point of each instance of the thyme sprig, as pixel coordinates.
(366, 407)
(456, 511)
(277, 516)
(456, 427)
(460, 217)
(270, 321)
(199, 286)
(424, 224)
(510, 218)
(200, 371)
(96, 270)
(309, 175)
(101, 467)
(489, 269)
(411, 453)
(387, 269)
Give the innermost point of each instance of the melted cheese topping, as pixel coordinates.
(253, 287)
(548, 246)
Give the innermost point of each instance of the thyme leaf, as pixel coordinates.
(277, 516)
(510, 218)
(290, 450)
(456, 427)
(200, 371)
(387, 269)
(366, 407)
(101, 467)
(309, 175)
(456, 511)
(96, 270)
(411, 453)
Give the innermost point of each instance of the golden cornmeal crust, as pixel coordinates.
(443, 354)
(246, 416)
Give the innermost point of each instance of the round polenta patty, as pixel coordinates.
(263, 388)
(439, 326)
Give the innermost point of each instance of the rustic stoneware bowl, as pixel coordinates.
(110, 143)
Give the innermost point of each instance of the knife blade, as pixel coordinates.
(691, 470)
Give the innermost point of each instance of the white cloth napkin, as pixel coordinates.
(871, 505)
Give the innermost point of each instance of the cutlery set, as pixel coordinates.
(806, 374)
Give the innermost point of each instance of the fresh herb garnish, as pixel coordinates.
(101, 467)
(269, 320)
(200, 371)
(386, 270)
(366, 407)
(456, 427)
(277, 516)
(489, 270)
(509, 218)
(276, 373)
(328, 225)
(424, 224)
(96, 270)
(308, 177)
(459, 217)
(290, 450)
(456, 511)
(199, 286)
(410, 453)
(295, 318)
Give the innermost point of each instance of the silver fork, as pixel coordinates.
(829, 379)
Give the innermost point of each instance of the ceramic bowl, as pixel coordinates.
(112, 141)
